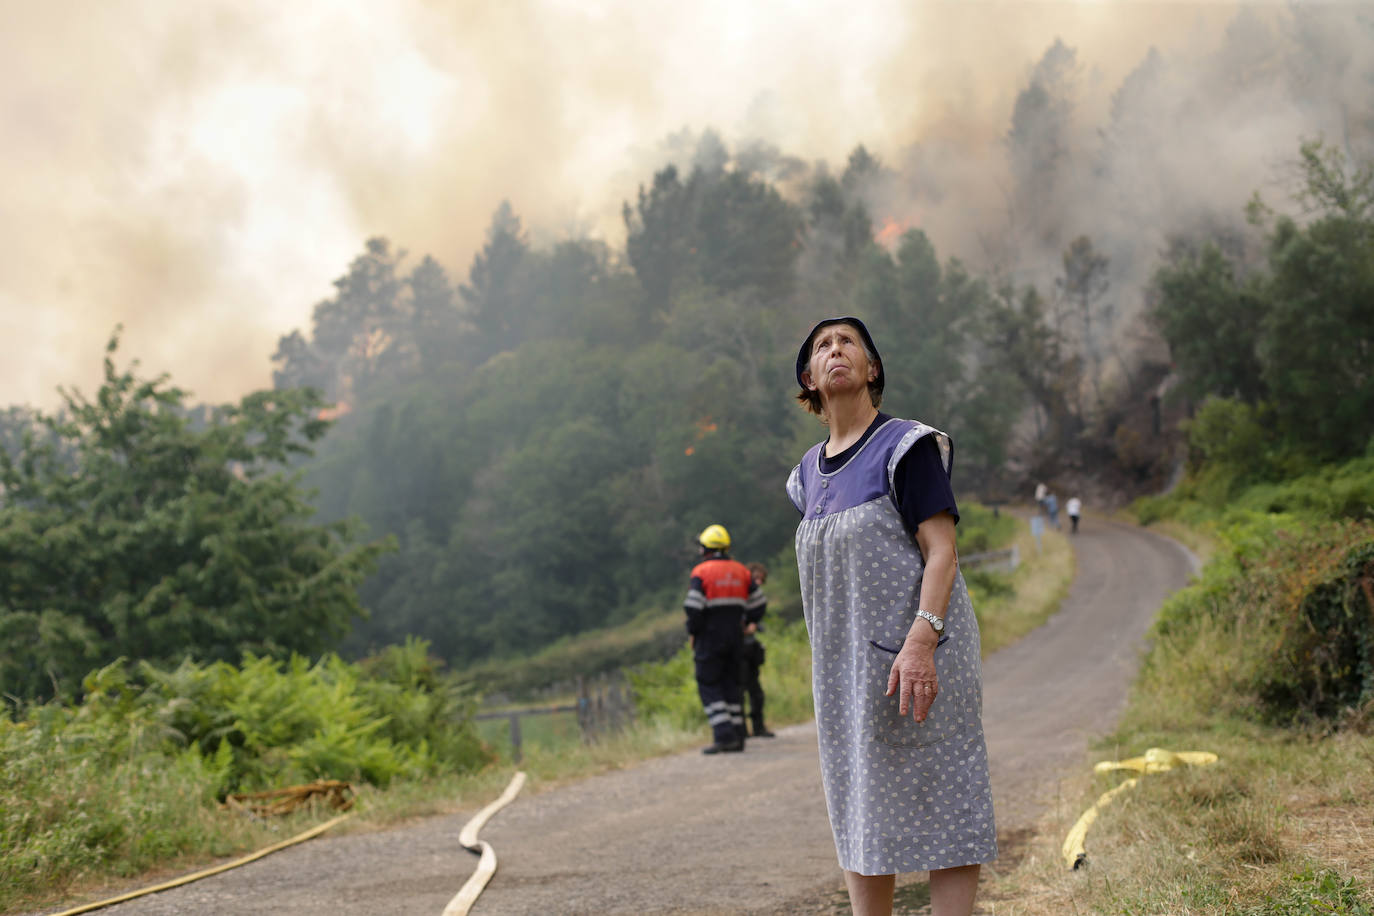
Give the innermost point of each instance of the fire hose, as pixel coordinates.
(486, 865)
(187, 879)
(1155, 760)
(283, 801)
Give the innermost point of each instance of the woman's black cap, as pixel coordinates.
(804, 354)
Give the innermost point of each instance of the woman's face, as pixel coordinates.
(839, 364)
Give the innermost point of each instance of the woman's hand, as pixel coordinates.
(913, 677)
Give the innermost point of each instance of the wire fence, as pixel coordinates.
(604, 705)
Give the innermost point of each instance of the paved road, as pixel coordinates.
(740, 833)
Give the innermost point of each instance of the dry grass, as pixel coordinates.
(1232, 838)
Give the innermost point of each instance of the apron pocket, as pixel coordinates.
(887, 725)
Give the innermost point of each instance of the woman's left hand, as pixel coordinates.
(913, 678)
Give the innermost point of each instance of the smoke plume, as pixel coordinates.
(202, 172)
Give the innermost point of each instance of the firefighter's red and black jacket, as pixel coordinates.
(721, 598)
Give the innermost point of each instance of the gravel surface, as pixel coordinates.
(737, 833)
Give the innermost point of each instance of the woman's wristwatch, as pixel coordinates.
(937, 623)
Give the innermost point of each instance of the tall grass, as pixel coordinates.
(1265, 661)
(130, 778)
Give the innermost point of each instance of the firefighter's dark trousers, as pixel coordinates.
(718, 665)
(752, 660)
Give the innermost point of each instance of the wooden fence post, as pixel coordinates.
(515, 737)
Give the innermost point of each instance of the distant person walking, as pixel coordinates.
(1041, 491)
(1074, 507)
(753, 660)
(903, 761)
(721, 598)
(1052, 510)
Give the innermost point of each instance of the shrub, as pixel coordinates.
(980, 529)
(129, 777)
(1324, 661)
(667, 691)
(1231, 433)
(1281, 621)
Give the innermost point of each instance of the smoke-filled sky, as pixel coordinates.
(201, 172)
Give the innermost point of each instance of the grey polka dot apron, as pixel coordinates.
(902, 796)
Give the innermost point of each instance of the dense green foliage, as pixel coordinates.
(1288, 590)
(130, 530)
(1226, 488)
(1292, 338)
(1291, 601)
(545, 439)
(130, 774)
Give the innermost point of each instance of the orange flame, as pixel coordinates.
(891, 232)
(333, 413)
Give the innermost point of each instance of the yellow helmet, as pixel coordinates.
(714, 538)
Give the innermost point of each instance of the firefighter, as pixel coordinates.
(721, 598)
(753, 659)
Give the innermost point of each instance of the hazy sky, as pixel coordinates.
(201, 172)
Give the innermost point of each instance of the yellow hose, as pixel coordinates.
(1074, 854)
(1155, 760)
(187, 879)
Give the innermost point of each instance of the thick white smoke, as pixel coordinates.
(201, 172)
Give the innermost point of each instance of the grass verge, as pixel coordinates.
(1244, 663)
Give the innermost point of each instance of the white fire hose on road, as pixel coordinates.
(486, 865)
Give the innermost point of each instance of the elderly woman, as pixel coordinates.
(895, 654)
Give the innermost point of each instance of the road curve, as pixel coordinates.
(737, 833)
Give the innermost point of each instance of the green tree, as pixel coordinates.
(725, 229)
(1212, 321)
(658, 241)
(1296, 336)
(435, 324)
(1040, 144)
(1317, 346)
(838, 228)
(929, 319)
(1018, 331)
(161, 541)
(17, 425)
(1083, 285)
(746, 236)
(363, 336)
(496, 294)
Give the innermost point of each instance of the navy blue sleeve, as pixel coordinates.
(921, 486)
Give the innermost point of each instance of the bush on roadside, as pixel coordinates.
(130, 776)
(1224, 493)
(980, 529)
(1323, 663)
(1280, 624)
(81, 794)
